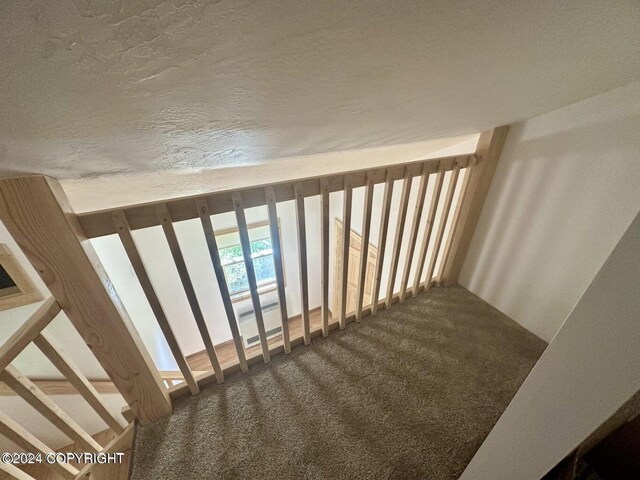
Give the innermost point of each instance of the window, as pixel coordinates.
(16, 288)
(233, 261)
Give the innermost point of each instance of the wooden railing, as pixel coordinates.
(54, 239)
(32, 331)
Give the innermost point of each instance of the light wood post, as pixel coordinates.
(274, 231)
(364, 245)
(382, 240)
(302, 261)
(37, 213)
(218, 270)
(346, 237)
(488, 153)
(324, 254)
(397, 243)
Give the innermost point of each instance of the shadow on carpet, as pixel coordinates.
(410, 393)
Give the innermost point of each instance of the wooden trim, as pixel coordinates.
(276, 245)
(443, 224)
(98, 223)
(29, 330)
(187, 285)
(22, 438)
(65, 365)
(324, 254)
(364, 249)
(238, 205)
(382, 240)
(218, 269)
(431, 215)
(25, 292)
(397, 243)
(302, 259)
(39, 217)
(413, 236)
(124, 232)
(43, 404)
(488, 153)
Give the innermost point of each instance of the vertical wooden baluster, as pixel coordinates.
(212, 245)
(245, 244)
(124, 232)
(167, 226)
(443, 223)
(382, 240)
(455, 223)
(433, 208)
(364, 249)
(274, 230)
(324, 253)
(415, 226)
(346, 236)
(70, 370)
(302, 261)
(402, 218)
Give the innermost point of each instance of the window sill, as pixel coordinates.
(246, 295)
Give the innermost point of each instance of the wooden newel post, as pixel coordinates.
(37, 213)
(488, 153)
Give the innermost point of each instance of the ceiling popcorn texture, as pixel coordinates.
(94, 88)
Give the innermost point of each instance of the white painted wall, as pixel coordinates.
(588, 371)
(563, 193)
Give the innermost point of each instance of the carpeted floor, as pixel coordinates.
(410, 393)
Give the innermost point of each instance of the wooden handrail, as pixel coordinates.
(106, 328)
(99, 223)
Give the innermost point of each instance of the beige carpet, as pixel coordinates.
(410, 393)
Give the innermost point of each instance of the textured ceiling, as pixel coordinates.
(92, 87)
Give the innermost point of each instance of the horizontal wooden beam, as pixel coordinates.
(99, 223)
